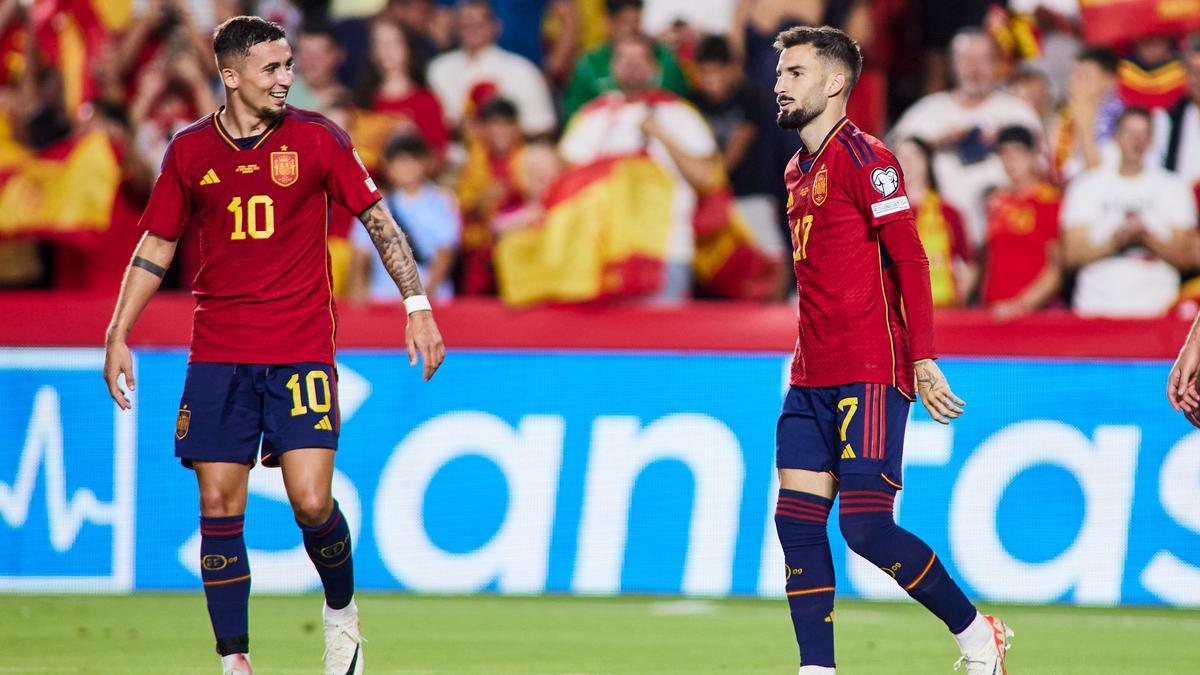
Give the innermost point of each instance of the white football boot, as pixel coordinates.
(988, 657)
(236, 664)
(343, 642)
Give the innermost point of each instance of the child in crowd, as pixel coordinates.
(427, 213)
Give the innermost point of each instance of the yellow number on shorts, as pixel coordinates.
(310, 381)
(851, 404)
(251, 218)
(802, 229)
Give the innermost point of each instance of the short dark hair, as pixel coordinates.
(406, 145)
(1134, 111)
(1015, 134)
(1104, 57)
(829, 42)
(614, 6)
(236, 36)
(321, 28)
(497, 108)
(713, 49)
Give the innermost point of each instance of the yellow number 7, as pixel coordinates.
(801, 251)
(852, 404)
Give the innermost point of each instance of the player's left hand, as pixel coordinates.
(1181, 383)
(423, 339)
(941, 403)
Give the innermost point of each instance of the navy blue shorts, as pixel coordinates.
(227, 408)
(848, 429)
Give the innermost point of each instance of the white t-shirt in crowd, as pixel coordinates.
(453, 74)
(610, 126)
(1135, 282)
(1187, 161)
(710, 16)
(965, 185)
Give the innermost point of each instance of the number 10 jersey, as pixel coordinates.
(261, 208)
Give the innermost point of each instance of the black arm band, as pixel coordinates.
(157, 270)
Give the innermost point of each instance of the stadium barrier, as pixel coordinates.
(602, 451)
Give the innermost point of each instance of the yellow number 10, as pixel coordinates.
(235, 207)
(293, 385)
(801, 251)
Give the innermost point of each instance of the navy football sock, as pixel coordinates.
(871, 532)
(800, 520)
(225, 571)
(328, 546)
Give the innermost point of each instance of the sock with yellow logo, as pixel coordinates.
(225, 571)
(800, 520)
(328, 546)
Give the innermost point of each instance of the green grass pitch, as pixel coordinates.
(490, 634)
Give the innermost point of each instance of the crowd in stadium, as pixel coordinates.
(1047, 168)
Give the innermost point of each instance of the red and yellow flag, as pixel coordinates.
(604, 234)
(70, 194)
(729, 262)
(1114, 22)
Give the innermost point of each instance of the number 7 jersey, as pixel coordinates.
(851, 328)
(264, 290)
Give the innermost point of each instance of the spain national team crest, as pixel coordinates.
(182, 422)
(285, 167)
(820, 186)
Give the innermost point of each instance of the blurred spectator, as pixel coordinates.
(1129, 229)
(593, 73)
(318, 57)
(952, 268)
(1177, 130)
(455, 74)
(755, 25)
(941, 22)
(1031, 84)
(170, 95)
(563, 32)
(961, 125)
(639, 117)
(1022, 267)
(534, 170)
(393, 84)
(742, 117)
(487, 187)
(426, 213)
(1081, 135)
(430, 23)
(1151, 75)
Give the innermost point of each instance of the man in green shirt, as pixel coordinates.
(593, 76)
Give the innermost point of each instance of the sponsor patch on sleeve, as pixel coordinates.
(883, 208)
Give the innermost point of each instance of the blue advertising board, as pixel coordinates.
(609, 472)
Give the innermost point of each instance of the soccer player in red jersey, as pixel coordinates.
(256, 178)
(858, 261)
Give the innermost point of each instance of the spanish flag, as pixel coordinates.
(604, 235)
(1116, 22)
(70, 188)
(71, 35)
(728, 262)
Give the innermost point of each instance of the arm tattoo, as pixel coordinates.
(393, 249)
(151, 267)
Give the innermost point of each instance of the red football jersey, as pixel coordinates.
(851, 325)
(1021, 225)
(264, 291)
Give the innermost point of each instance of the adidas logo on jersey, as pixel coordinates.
(210, 178)
(848, 452)
(324, 424)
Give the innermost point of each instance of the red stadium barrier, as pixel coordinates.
(78, 320)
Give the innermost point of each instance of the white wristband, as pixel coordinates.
(417, 303)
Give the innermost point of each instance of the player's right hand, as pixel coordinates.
(118, 361)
